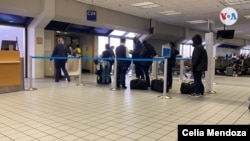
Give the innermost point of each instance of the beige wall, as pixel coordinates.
(49, 44)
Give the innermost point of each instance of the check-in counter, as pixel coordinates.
(10, 72)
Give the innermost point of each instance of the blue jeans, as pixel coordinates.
(198, 87)
(105, 73)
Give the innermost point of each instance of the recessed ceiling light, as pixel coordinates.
(247, 16)
(171, 12)
(233, 2)
(150, 6)
(142, 4)
(197, 21)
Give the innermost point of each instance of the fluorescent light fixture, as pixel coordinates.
(247, 16)
(197, 21)
(150, 6)
(117, 33)
(142, 4)
(171, 12)
(147, 4)
(233, 2)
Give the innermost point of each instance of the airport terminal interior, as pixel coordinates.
(33, 107)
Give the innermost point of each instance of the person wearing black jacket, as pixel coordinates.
(148, 52)
(60, 50)
(136, 54)
(171, 64)
(122, 66)
(199, 65)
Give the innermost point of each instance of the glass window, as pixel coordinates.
(186, 50)
(131, 35)
(117, 33)
(102, 41)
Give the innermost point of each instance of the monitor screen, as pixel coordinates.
(225, 34)
(8, 45)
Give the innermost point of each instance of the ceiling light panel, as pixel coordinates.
(171, 12)
(247, 16)
(142, 4)
(150, 6)
(197, 21)
(234, 2)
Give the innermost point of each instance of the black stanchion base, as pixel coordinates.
(31, 89)
(164, 97)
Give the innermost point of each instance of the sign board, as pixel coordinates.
(166, 51)
(91, 15)
(228, 16)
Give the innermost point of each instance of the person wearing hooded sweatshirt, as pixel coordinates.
(199, 65)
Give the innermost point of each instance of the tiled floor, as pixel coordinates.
(66, 112)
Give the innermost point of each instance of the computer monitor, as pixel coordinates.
(8, 45)
(225, 34)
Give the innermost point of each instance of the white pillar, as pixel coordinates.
(36, 36)
(210, 73)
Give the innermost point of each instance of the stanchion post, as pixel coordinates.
(31, 78)
(181, 69)
(80, 72)
(164, 95)
(115, 76)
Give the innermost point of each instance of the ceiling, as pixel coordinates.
(189, 10)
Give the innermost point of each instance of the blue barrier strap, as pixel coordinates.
(141, 59)
(98, 58)
(54, 58)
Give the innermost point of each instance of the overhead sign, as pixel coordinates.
(91, 15)
(228, 16)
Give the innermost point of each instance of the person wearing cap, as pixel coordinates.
(199, 65)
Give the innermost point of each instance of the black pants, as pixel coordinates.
(60, 65)
(146, 73)
(169, 77)
(121, 74)
(198, 87)
(138, 70)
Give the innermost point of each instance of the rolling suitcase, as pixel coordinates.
(187, 87)
(139, 84)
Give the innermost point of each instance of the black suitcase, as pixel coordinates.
(157, 85)
(187, 87)
(138, 84)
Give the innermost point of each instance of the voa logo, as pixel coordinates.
(228, 16)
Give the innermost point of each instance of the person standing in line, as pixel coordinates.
(122, 66)
(60, 50)
(136, 55)
(112, 56)
(148, 52)
(199, 65)
(106, 65)
(171, 64)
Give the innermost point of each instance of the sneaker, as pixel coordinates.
(124, 87)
